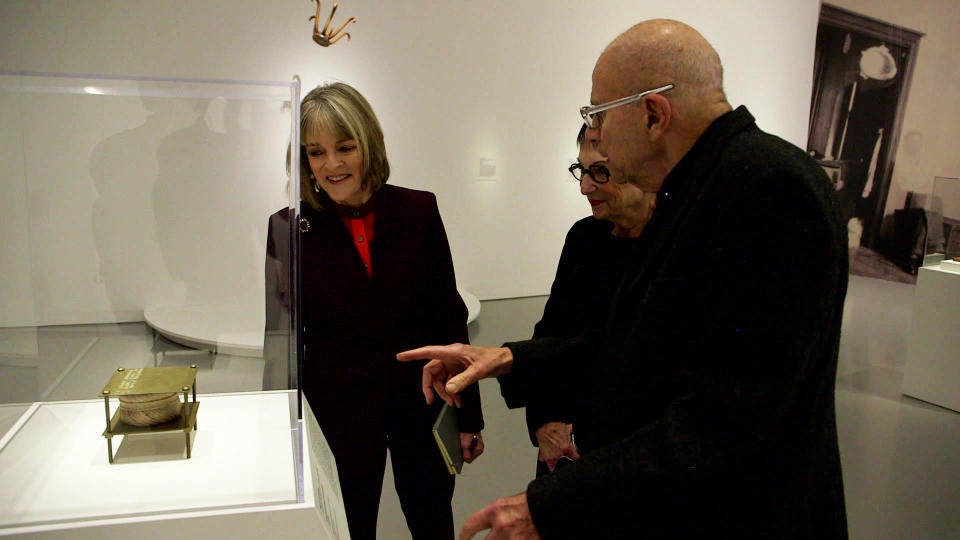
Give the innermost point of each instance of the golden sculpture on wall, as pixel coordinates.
(325, 37)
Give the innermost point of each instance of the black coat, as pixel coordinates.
(715, 370)
(591, 265)
(354, 325)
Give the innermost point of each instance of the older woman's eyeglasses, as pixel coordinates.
(598, 172)
(593, 114)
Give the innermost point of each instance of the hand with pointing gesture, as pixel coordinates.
(454, 367)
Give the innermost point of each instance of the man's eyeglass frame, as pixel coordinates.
(591, 112)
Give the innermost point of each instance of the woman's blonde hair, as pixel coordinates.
(341, 110)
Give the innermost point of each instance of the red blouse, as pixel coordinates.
(359, 223)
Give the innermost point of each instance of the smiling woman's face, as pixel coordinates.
(337, 164)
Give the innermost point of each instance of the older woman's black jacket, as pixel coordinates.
(590, 268)
(714, 371)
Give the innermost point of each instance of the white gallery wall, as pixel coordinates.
(453, 82)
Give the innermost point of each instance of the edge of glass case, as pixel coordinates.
(942, 241)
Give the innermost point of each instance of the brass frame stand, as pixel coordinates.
(157, 380)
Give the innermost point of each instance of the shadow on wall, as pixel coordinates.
(205, 207)
(179, 214)
(123, 167)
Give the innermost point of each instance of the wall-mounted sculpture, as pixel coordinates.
(325, 37)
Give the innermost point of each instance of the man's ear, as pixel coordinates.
(657, 112)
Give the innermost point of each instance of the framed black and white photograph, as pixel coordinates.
(862, 73)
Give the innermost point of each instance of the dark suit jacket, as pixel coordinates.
(354, 325)
(717, 361)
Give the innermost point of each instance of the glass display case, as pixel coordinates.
(146, 223)
(136, 215)
(942, 244)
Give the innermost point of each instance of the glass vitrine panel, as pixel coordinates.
(145, 223)
(943, 221)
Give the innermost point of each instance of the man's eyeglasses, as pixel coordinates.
(593, 114)
(598, 172)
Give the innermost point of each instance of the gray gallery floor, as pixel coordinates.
(901, 457)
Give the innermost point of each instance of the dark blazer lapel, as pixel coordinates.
(334, 248)
(387, 231)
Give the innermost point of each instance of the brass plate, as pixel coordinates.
(184, 422)
(150, 381)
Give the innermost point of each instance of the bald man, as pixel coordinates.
(712, 377)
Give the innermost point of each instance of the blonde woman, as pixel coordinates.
(377, 279)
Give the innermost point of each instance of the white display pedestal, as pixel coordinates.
(235, 329)
(248, 477)
(472, 303)
(933, 355)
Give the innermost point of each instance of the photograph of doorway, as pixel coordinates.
(862, 73)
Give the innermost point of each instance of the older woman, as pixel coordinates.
(377, 278)
(590, 268)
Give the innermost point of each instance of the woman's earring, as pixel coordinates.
(316, 185)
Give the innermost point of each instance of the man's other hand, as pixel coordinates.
(508, 518)
(555, 442)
